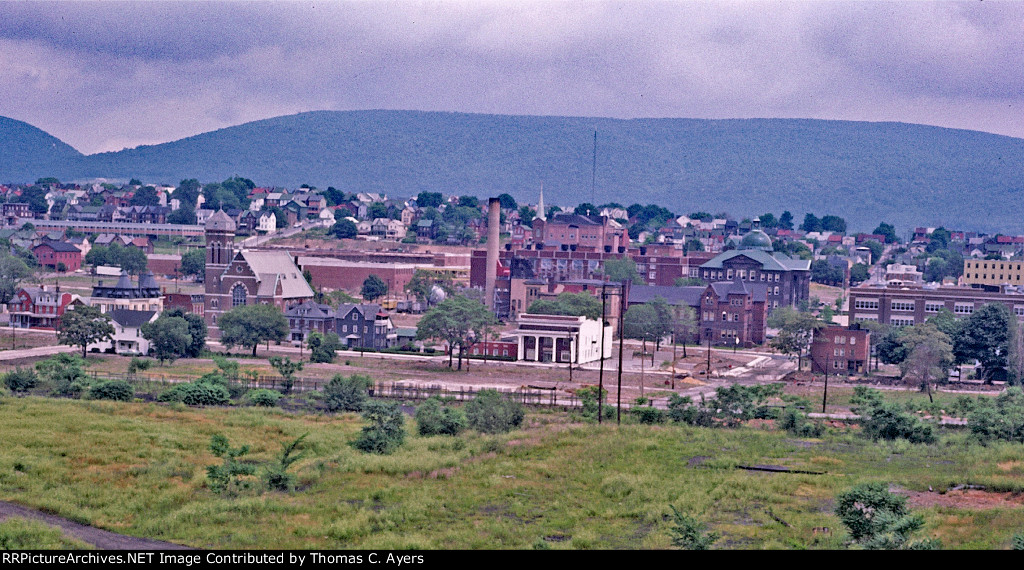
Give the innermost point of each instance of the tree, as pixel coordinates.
(879, 520)
(684, 324)
(621, 270)
(323, 347)
(876, 250)
(575, 304)
(833, 224)
(429, 199)
(12, 271)
(811, 223)
(168, 336)
(386, 430)
(83, 326)
(196, 329)
(586, 209)
(374, 288)
(184, 215)
(457, 321)
(434, 418)
(786, 220)
(526, 215)
(193, 262)
(859, 273)
(507, 201)
(276, 476)
(348, 394)
(694, 244)
(888, 231)
(187, 192)
(145, 196)
(20, 380)
(929, 356)
(287, 369)
(422, 284)
(824, 272)
(986, 336)
(796, 331)
(344, 229)
(228, 477)
(250, 325)
(492, 412)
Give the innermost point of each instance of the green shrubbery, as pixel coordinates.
(347, 394)
(276, 476)
(1000, 418)
(879, 520)
(264, 398)
(433, 418)
(887, 421)
(491, 412)
(230, 475)
(64, 375)
(20, 380)
(113, 390)
(590, 405)
(690, 533)
(647, 414)
(202, 392)
(386, 431)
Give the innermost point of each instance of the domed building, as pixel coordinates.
(754, 260)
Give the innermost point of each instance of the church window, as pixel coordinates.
(238, 295)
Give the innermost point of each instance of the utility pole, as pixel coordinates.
(622, 311)
(600, 374)
(709, 354)
(824, 396)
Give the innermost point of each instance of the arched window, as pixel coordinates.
(238, 295)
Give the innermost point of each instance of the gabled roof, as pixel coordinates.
(277, 267)
(366, 312)
(131, 319)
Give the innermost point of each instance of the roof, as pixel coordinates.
(367, 312)
(59, 246)
(768, 261)
(273, 267)
(131, 319)
(220, 221)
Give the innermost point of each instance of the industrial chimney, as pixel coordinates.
(493, 237)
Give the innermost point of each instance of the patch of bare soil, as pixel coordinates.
(102, 539)
(968, 499)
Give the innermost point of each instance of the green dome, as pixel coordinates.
(756, 239)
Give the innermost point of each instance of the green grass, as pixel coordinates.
(23, 534)
(139, 469)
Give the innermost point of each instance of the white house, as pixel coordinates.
(267, 222)
(127, 332)
(561, 338)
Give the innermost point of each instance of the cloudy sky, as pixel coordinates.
(109, 75)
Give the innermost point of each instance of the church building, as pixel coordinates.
(242, 277)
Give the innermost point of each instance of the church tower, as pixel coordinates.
(220, 238)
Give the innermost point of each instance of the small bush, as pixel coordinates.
(228, 477)
(795, 422)
(490, 412)
(116, 390)
(386, 431)
(682, 410)
(590, 404)
(349, 394)
(198, 393)
(887, 421)
(277, 477)
(21, 380)
(432, 418)
(138, 365)
(879, 520)
(690, 533)
(264, 398)
(648, 415)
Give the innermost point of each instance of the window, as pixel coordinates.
(933, 306)
(865, 304)
(963, 308)
(902, 305)
(238, 295)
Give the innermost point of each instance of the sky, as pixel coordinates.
(103, 76)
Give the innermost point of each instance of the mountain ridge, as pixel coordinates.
(867, 172)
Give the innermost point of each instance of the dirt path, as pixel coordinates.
(102, 539)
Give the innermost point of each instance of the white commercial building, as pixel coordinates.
(560, 338)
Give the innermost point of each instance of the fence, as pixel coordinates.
(528, 395)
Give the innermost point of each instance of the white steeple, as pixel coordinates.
(540, 204)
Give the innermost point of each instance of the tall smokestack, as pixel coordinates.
(493, 237)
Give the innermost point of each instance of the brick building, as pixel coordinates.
(727, 313)
(907, 306)
(841, 350)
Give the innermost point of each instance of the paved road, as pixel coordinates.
(8, 355)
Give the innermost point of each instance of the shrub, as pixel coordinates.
(690, 533)
(682, 410)
(588, 399)
(264, 398)
(879, 520)
(277, 477)
(490, 412)
(648, 415)
(347, 394)
(795, 422)
(20, 380)
(198, 393)
(63, 372)
(887, 421)
(114, 390)
(228, 477)
(998, 419)
(386, 431)
(138, 365)
(432, 418)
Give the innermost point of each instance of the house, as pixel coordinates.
(39, 307)
(145, 296)
(127, 337)
(365, 326)
(58, 254)
(308, 317)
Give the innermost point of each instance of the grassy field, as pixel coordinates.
(139, 469)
